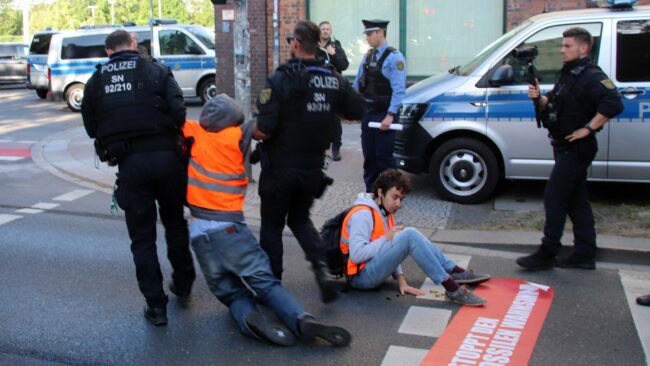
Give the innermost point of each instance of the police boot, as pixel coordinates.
(326, 282)
(308, 327)
(537, 261)
(336, 151)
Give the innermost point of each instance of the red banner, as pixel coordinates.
(502, 332)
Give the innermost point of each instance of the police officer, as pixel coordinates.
(580, 103)
(382, 81)
(331, 52)
(134, 110)
(297, 111)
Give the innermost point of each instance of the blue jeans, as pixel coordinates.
(231, 259)
(408, 242)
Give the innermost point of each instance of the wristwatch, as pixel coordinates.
(591, 130)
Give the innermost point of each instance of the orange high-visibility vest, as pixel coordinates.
(217, 180)
(378, 231)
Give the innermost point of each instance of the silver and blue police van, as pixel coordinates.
(474, 126)
(61, 62)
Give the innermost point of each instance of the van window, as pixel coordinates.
(90, 46)
(205, 36)
(7, 51)
(40, 44)
(144, 43)
(633, 54)
(549, 62)
(174, 42)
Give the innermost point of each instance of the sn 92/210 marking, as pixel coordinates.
(117, 88)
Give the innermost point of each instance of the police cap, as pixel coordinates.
(374, 24)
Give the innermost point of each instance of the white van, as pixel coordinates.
(62, 61)
(473, 126)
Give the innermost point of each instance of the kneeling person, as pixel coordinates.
(236, 268)
(376, 247)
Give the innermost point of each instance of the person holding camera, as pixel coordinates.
(580, 103)
(134, 110)
(297, 110)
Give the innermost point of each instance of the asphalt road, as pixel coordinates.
(68, 293)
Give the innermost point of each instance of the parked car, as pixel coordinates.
(62, 61)
(474, 126)
(13, 62)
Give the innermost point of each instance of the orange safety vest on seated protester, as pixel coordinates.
(378, 231)
(217, 180)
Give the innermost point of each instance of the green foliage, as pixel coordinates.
(71, 14)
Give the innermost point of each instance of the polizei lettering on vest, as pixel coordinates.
(324, 82)
(118, 66)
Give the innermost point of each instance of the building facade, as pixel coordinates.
(434, 35)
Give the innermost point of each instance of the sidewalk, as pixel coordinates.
(69, 155)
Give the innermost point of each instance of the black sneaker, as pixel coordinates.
(326, 283)
(574, 261)
(643, 300)
(537, 261)
(269, 330)
(183, 297)
(156, 316)
(336, 336)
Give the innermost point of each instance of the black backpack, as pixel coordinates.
(330, 233)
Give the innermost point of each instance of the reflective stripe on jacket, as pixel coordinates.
(378, 231)
(217, 180)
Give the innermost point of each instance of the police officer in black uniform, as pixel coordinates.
(331, 52)
(297, 111)
(134, 110)
(580, 103)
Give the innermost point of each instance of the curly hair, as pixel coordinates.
(390, 178)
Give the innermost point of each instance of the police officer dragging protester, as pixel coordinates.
(297, 111)
(134, 110)
(331, 52)
(382, 81)
(580, 103)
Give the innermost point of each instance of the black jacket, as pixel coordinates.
(339, 60)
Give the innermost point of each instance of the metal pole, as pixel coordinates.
(276, 36)
(152, 43)
(26, 21)
(159, 9)
(242, 57)
(112, 11)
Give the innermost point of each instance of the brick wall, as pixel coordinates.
(289, 13)
(224, 78)
(520, 10)
(259, 50)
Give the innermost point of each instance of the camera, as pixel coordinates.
(528, 52)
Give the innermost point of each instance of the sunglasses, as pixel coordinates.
(291, 38)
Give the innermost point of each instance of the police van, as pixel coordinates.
(475, 125)
(62, 61)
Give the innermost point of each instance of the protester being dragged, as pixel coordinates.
(236, 268)
(376, 247)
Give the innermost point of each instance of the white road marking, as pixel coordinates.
(27, 141)
(437, 292)
(4, 218)
(5, 140)
(428, 322)
(404, 356)
(71, 196)
(29, 211)
(45, 205)
(636, 284)
(11, 158)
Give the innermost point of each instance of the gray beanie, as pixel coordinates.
(220, 112)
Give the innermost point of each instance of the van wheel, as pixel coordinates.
(73, 96)
(464, 170)
(42, 93)
(208, 90)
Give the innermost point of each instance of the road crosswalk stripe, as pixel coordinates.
(71, 196)
(404, 356)
(5, 218)
(636, 284)
(29, 211)
(428, 322)
(437, 292)
(45, 205)
(11, 158)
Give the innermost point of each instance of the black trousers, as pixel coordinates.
(566, 194)
(287, 195)
(377, 148)
(337, 132)
(144, 179)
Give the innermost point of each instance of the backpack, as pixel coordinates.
(330, 233)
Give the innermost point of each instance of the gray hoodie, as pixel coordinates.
(360, 227)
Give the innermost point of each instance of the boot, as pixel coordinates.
(537, 261)
(308, 327)
(156, 315)
(576, 261)
(336, 151)
(326, 283)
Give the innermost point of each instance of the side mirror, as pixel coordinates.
(503, 75)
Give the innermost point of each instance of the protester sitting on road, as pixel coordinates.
(643, 300)
(236, 268)
(376, 247)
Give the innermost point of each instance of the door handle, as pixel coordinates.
(478, 104)
(632, 92)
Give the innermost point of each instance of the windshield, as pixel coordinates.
(469, 67)
(206, 37)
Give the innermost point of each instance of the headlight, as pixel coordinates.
(411, 113)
